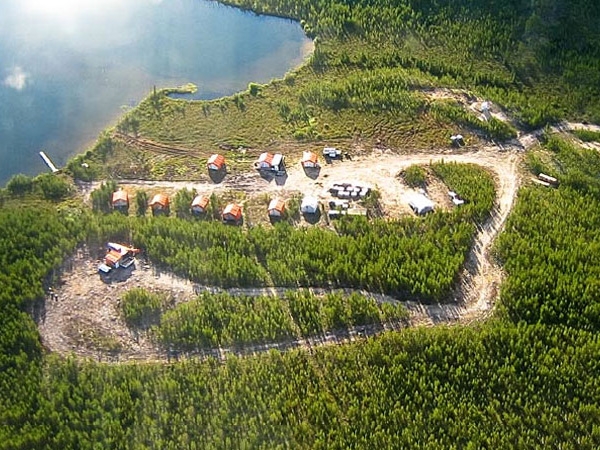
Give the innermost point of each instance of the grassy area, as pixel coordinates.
(369, 81)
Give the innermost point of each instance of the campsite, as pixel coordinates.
(392, 245)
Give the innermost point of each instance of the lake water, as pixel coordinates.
(69, 68)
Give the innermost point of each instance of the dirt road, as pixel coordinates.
(82, 315)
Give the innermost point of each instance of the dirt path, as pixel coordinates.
(82, 315)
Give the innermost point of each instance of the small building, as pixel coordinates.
(118, 255)
(160, 204)
(200, 204)
(309, 205)
(216, 162)
(232, 213)
(310, 160)
(120, 200)
(276, 207)
(264, 161)
(269, 161)
(420, 204)
(456, 199)
(332, 152)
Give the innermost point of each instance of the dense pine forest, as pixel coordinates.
(529, 377)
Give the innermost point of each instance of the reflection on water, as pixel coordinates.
(68, 66)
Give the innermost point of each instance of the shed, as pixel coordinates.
(264, 161)
(278, 163)
(120, 199)
(232, 213)
(310, 160)
(310, 205)
(332, 152)
(420, 204)
(216, 162)
(200, 204)
(160, 203)
(276, 207)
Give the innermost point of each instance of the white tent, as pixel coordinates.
(310, 205)
(420, 204)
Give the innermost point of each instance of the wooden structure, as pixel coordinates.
(232, 213)
(276, 207)
(120, 200)
(310, 160)
(160, 204)
(216, 162)
(200, 204)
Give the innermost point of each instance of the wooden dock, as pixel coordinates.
(48, 162)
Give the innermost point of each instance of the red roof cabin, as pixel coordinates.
(232, 213)
(264, 161)
(200, 204)
(120, 199)
(310, 160)
(276, 208)
(160, 204)
(216, 162)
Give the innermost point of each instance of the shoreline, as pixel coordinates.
(89, 144)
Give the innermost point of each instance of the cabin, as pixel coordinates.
(200, 204)
(269, 161)
(160, 204)
(264, 161)
(216, 163)
(232, 213)
(118, 255)
(310, 160)
(120, 200)
(309, 205)
(276, 208)
(420, 204)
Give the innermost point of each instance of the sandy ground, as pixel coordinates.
(82, 314)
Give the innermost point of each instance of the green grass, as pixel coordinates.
(587, 135)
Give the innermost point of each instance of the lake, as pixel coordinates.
(69, 68)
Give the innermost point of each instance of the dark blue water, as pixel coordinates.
(69, 68)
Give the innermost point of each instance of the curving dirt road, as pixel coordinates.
(82, 317)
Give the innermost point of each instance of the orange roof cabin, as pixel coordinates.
(232, 213)
(160, 204)
(310, 160)
(120, 199)
(200, 204)
(276, 207)
(119, 255)
(216, 162)
(264, 161)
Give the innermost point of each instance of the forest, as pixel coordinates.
(526, 378)
(222, 320)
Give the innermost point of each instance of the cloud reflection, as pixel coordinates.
(16, 79)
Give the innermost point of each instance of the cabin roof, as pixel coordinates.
(160, 199)
(309, 157)
(234, 209)
(266, 157)
(120, 195)
(217, 160)
(277, 204)
(200, 201)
